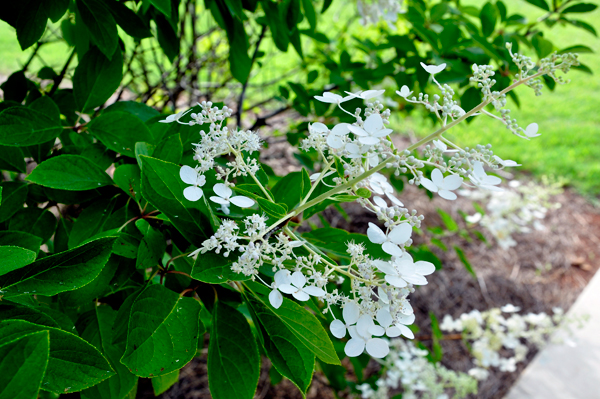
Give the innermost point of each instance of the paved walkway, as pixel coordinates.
(563, 371)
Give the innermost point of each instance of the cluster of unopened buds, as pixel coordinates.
(352, 154)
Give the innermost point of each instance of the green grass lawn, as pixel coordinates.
(568, 117)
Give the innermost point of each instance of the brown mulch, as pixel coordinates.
(546, 269)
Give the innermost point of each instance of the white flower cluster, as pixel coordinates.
(491, 332)
(407, 368)
(351, 154)
(513, 211)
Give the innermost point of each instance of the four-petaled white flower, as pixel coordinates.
(482, 180)
(532, 130)
(174, 117)
(191, 176)
(332, 98)
(404, 270)
(433, 69)
(339, 131)
(367, 94)
(297, 288)
(391, 241)
(350, 313)
(225, 198)
(384, 318)
(275, 297)
(381, 186)
(371, 131)
(440, 145)
(442, 185)
(404, 91)
(506, 163)
(362, 339)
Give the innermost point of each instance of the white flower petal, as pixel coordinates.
(395, 200)
(301, 296)
(334, 141)
(375, 234)
(368, 140)
(351, 313)
(359, 131)
(424, 268)
(378, 347)
(531, 130)
(341, 129)
(429, 185)
(449, 195)
(404, 91)
(384, 318)
(391, 249)
(338, 329)
(396, 281)
(393, 332)
(373, 123)
(400, 234)
(382, 133)
(222, 190)
(406, 319)
(354, 347)
(242, 201)
(380, 202)
(433, 69)
(314, 291)
(405, 331)
(352, 332)
(188, 174)
(276, 299)
(437, 177)
(318, 127)
(452, 182)
(415, 279)
(219, 200)
(282, 277)
(363, 325)
(298, 279)
(192, 193)
(287, 288)
(378, 331)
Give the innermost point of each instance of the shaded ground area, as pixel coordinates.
(546, 269)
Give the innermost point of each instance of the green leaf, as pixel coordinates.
(274, 210)
(291, 188)
(163, 188)
(303, 324)
(21, 239)
(162, 383)
(33, 315)
(233, 359)
(170, 149)
(21, 126)
(436, 353)
(119, 131)
(69, 172)
(163, 6)
(309, 13)
(128, 177)
(31, 23)
(363, 192)
(540, 3)
(488, 17)
(12, 158)
(448, 220)
(36, 221)
(163, 332)
(90, 221)
(128, 20)
(152, 247)
(581, 7)
(583, 25)
(23, 364)
(100, 24)
(279, 31)
(14, 195)
(13, 258)
(58, 273)
(73, 364)
(96, 78)
(542, 46)
(214, 268)
(576, 49)
(235, 8)
(140, 110)
(56, 9)
(98, 332)
(465, 261)
(290, 357)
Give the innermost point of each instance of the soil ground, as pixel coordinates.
(546, 269)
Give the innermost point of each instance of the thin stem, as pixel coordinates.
(316, 183)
